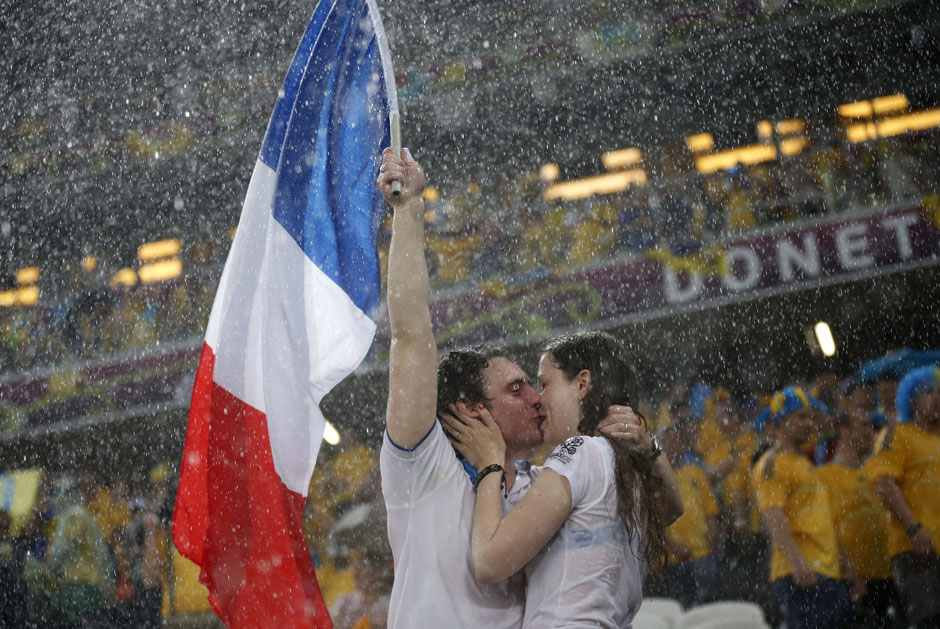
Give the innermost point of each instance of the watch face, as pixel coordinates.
(657, 450)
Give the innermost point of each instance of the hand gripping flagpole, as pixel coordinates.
(395, 124)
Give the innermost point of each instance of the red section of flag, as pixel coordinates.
(236, 519)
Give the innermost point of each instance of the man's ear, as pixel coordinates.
(467, 408)
(583, 382)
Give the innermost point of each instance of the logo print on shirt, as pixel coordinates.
(567, 448)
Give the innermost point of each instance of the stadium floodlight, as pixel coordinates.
(158, 249)
(791, 127)
(609, 183)
(330, 434)
(622, 158)
(27, 275)
(124, 277)
(7, 298)
(765, 130)
(859, 109)
(724, 160)
(549, 172)
(700, 142)
(27, 295)
(914, 121)
(827, 343)
(792, 146)
(896, 125)
(887, 104)
(431, 194)
(161, 270)
(89, 263)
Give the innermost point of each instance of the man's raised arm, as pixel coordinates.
(412, 368)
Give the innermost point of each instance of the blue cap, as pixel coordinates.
(786, 402)
(916, 382)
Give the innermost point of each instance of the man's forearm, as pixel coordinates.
(408, 284)
(782, 537)
(894, 501)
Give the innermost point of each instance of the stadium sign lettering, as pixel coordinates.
(792, 256)
(782, 258)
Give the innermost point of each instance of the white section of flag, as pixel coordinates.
(313, 334)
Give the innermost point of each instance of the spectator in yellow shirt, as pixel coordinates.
(907, 471)
(861, 521)
(693, 569)
(804, 569)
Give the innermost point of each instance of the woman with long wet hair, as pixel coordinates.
(594, 519)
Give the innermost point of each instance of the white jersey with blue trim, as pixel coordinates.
(590, 573)
(430, 499)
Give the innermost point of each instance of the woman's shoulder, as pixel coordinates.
(581, 452)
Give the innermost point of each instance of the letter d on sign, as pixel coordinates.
(675, 292)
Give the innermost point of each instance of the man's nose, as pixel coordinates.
(534, 398)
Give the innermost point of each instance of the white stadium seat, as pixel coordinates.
(722, 613)
(666, 608)
(733, 623)
(646, 620)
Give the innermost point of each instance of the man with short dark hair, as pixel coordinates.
(427, 489)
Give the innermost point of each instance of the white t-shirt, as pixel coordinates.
(430, 512)
(589, 574)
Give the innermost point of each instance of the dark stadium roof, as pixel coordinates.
(81, 79)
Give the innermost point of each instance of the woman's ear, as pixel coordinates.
(467, 408)
(583, 382)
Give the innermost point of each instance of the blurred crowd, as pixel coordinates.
(87, 553)
(501, 230)
(92, 552)
(506, 229)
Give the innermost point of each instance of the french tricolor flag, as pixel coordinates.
(293, 315)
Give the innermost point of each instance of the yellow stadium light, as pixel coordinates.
(622, 158)
(158, 249)
(765, 129)
(549, 172)
(89, 263)
(886, 104)
(231, 234)
(916, 121)
(748, 155)
(599, 184)
(27, 295)
(124, 277)
(700, 142)
(791, 127)
(824, 337)
(857, 133)
(860, 109)
(7, 297)
(792, 146)
(27, 275)
(159, 271)
(431, 194)
(330, 434)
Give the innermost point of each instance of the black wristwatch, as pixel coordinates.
(913, 529)
(657, 449)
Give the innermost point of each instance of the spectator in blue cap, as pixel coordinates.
(805, 568)
(906, 469)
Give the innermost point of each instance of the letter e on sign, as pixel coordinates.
(852, 247)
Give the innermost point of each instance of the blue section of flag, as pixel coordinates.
(325, 141)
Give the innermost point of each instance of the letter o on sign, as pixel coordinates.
(738, 260)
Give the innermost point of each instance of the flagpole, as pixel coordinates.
(395, 124)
